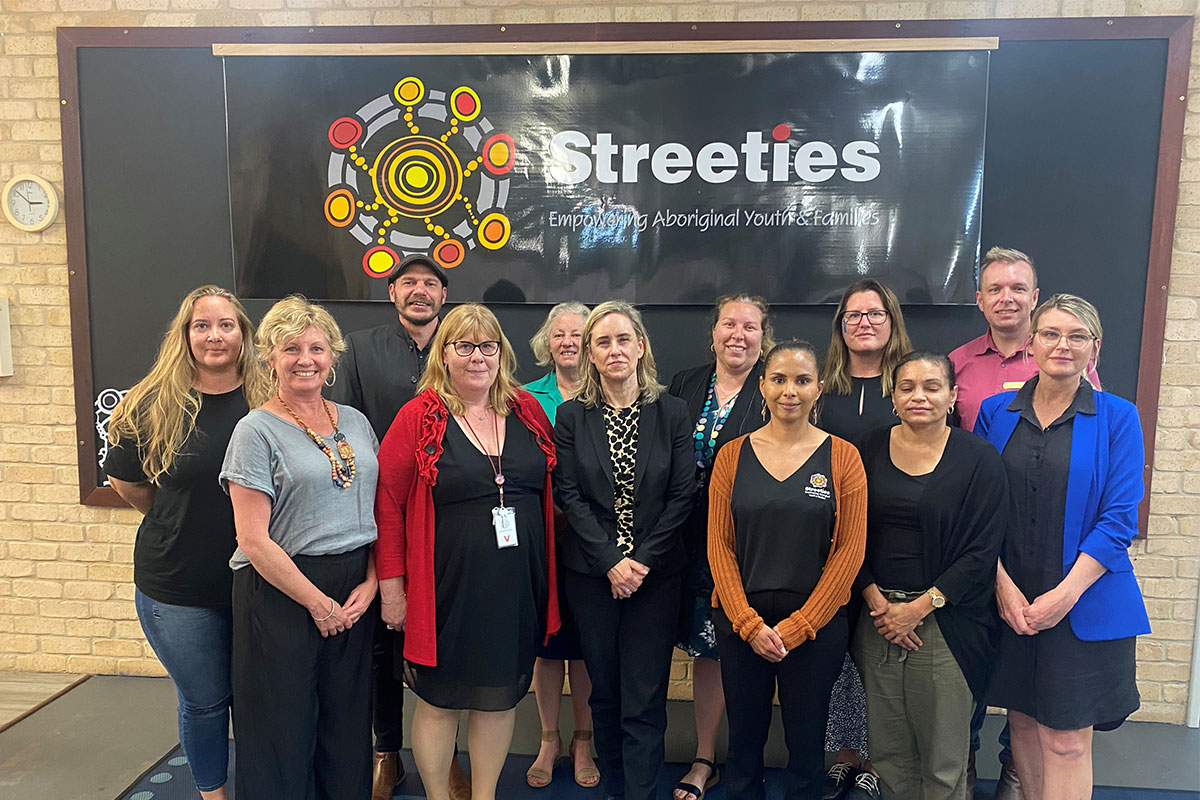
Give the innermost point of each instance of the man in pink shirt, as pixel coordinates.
(999, 360)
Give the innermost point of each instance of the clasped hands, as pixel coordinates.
(626, 577)
(1025, 618)
(341, 617)
(896, 622)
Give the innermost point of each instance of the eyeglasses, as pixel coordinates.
(465, 349)
(1076, 341)
(875, 317)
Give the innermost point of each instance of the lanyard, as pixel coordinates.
(497, 465)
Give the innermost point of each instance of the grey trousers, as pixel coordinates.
(918, 713)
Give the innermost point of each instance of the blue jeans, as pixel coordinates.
(195, 645)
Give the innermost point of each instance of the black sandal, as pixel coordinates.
(714, 777)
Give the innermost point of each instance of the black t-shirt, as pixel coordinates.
(183, 545)
(783, 530)
(895, 539)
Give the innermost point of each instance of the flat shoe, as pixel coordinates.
(714, 777)
(587, 777)
(539, 778)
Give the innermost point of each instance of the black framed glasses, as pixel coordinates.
(876, 316)
(465, 348)
(1049, 337)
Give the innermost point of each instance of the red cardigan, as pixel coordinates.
(404, 511)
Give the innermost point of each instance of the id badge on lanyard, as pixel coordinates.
(504, 520)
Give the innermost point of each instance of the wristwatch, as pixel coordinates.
(936, 597)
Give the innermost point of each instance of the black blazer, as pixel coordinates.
(664, 487)
(691, 385)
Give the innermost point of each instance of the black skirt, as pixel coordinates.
(1064, 682)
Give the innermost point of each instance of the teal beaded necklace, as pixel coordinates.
(707, 445)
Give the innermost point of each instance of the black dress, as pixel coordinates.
(488, 598)
(1055, 677)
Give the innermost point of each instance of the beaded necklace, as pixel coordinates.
(707, 445)
(342, 476)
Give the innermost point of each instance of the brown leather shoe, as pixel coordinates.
(1009, 785)
(387, 774)
(971, 776)
(460, 787)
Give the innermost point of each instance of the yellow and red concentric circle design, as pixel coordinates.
(378, 261)
(419, 170)
(339, 208)
(494, 230)
(418, 176)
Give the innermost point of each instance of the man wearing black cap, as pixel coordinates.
(377, 375)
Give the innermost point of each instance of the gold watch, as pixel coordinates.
(936, 597)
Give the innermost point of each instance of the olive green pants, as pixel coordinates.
(918, 713)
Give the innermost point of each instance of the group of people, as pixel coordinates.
(329, 518)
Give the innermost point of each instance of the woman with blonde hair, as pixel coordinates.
(626, 481)
(301, 473)
(466, 546)
(166, 441)
(558, 344)
(1065, 585)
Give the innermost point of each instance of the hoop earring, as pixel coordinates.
(332, 379)
(950, 410)
(895, 413)
(272, 375)
(763, 410)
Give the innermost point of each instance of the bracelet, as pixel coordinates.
(383, 602)
(332, 606)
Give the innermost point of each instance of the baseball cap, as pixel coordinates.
(418, 259)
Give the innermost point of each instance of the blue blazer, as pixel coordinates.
(1104, 488)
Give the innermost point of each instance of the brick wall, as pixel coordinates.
(65, 574)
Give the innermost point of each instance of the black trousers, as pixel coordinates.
(804, 679)
(387, 687)
(303, 720)
(627, 648)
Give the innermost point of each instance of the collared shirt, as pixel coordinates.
(982, 371)
(378, 373)
(545, 391)
(1038, 463)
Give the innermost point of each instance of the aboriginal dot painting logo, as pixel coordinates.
(818, 481)
(419, 171)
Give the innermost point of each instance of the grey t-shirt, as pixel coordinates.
(309, 515)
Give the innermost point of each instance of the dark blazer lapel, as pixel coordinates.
(593, 419)
(746, 414)
(647, 427)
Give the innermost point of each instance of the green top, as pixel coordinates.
(545, 391)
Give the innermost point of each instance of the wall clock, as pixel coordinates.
(30, 202)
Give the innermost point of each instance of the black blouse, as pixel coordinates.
(1038, 462)
(841, 415)
(964, 513)
(784, 528)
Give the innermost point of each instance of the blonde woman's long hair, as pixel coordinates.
(470, 319)
(836, 371)
(159, 413)
(591, 393)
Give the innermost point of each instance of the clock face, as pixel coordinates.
(28, 202)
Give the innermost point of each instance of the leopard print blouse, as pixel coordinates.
(621, 426)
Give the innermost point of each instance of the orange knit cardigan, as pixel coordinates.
(845, 553)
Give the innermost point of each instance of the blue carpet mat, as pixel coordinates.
(171, 779)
